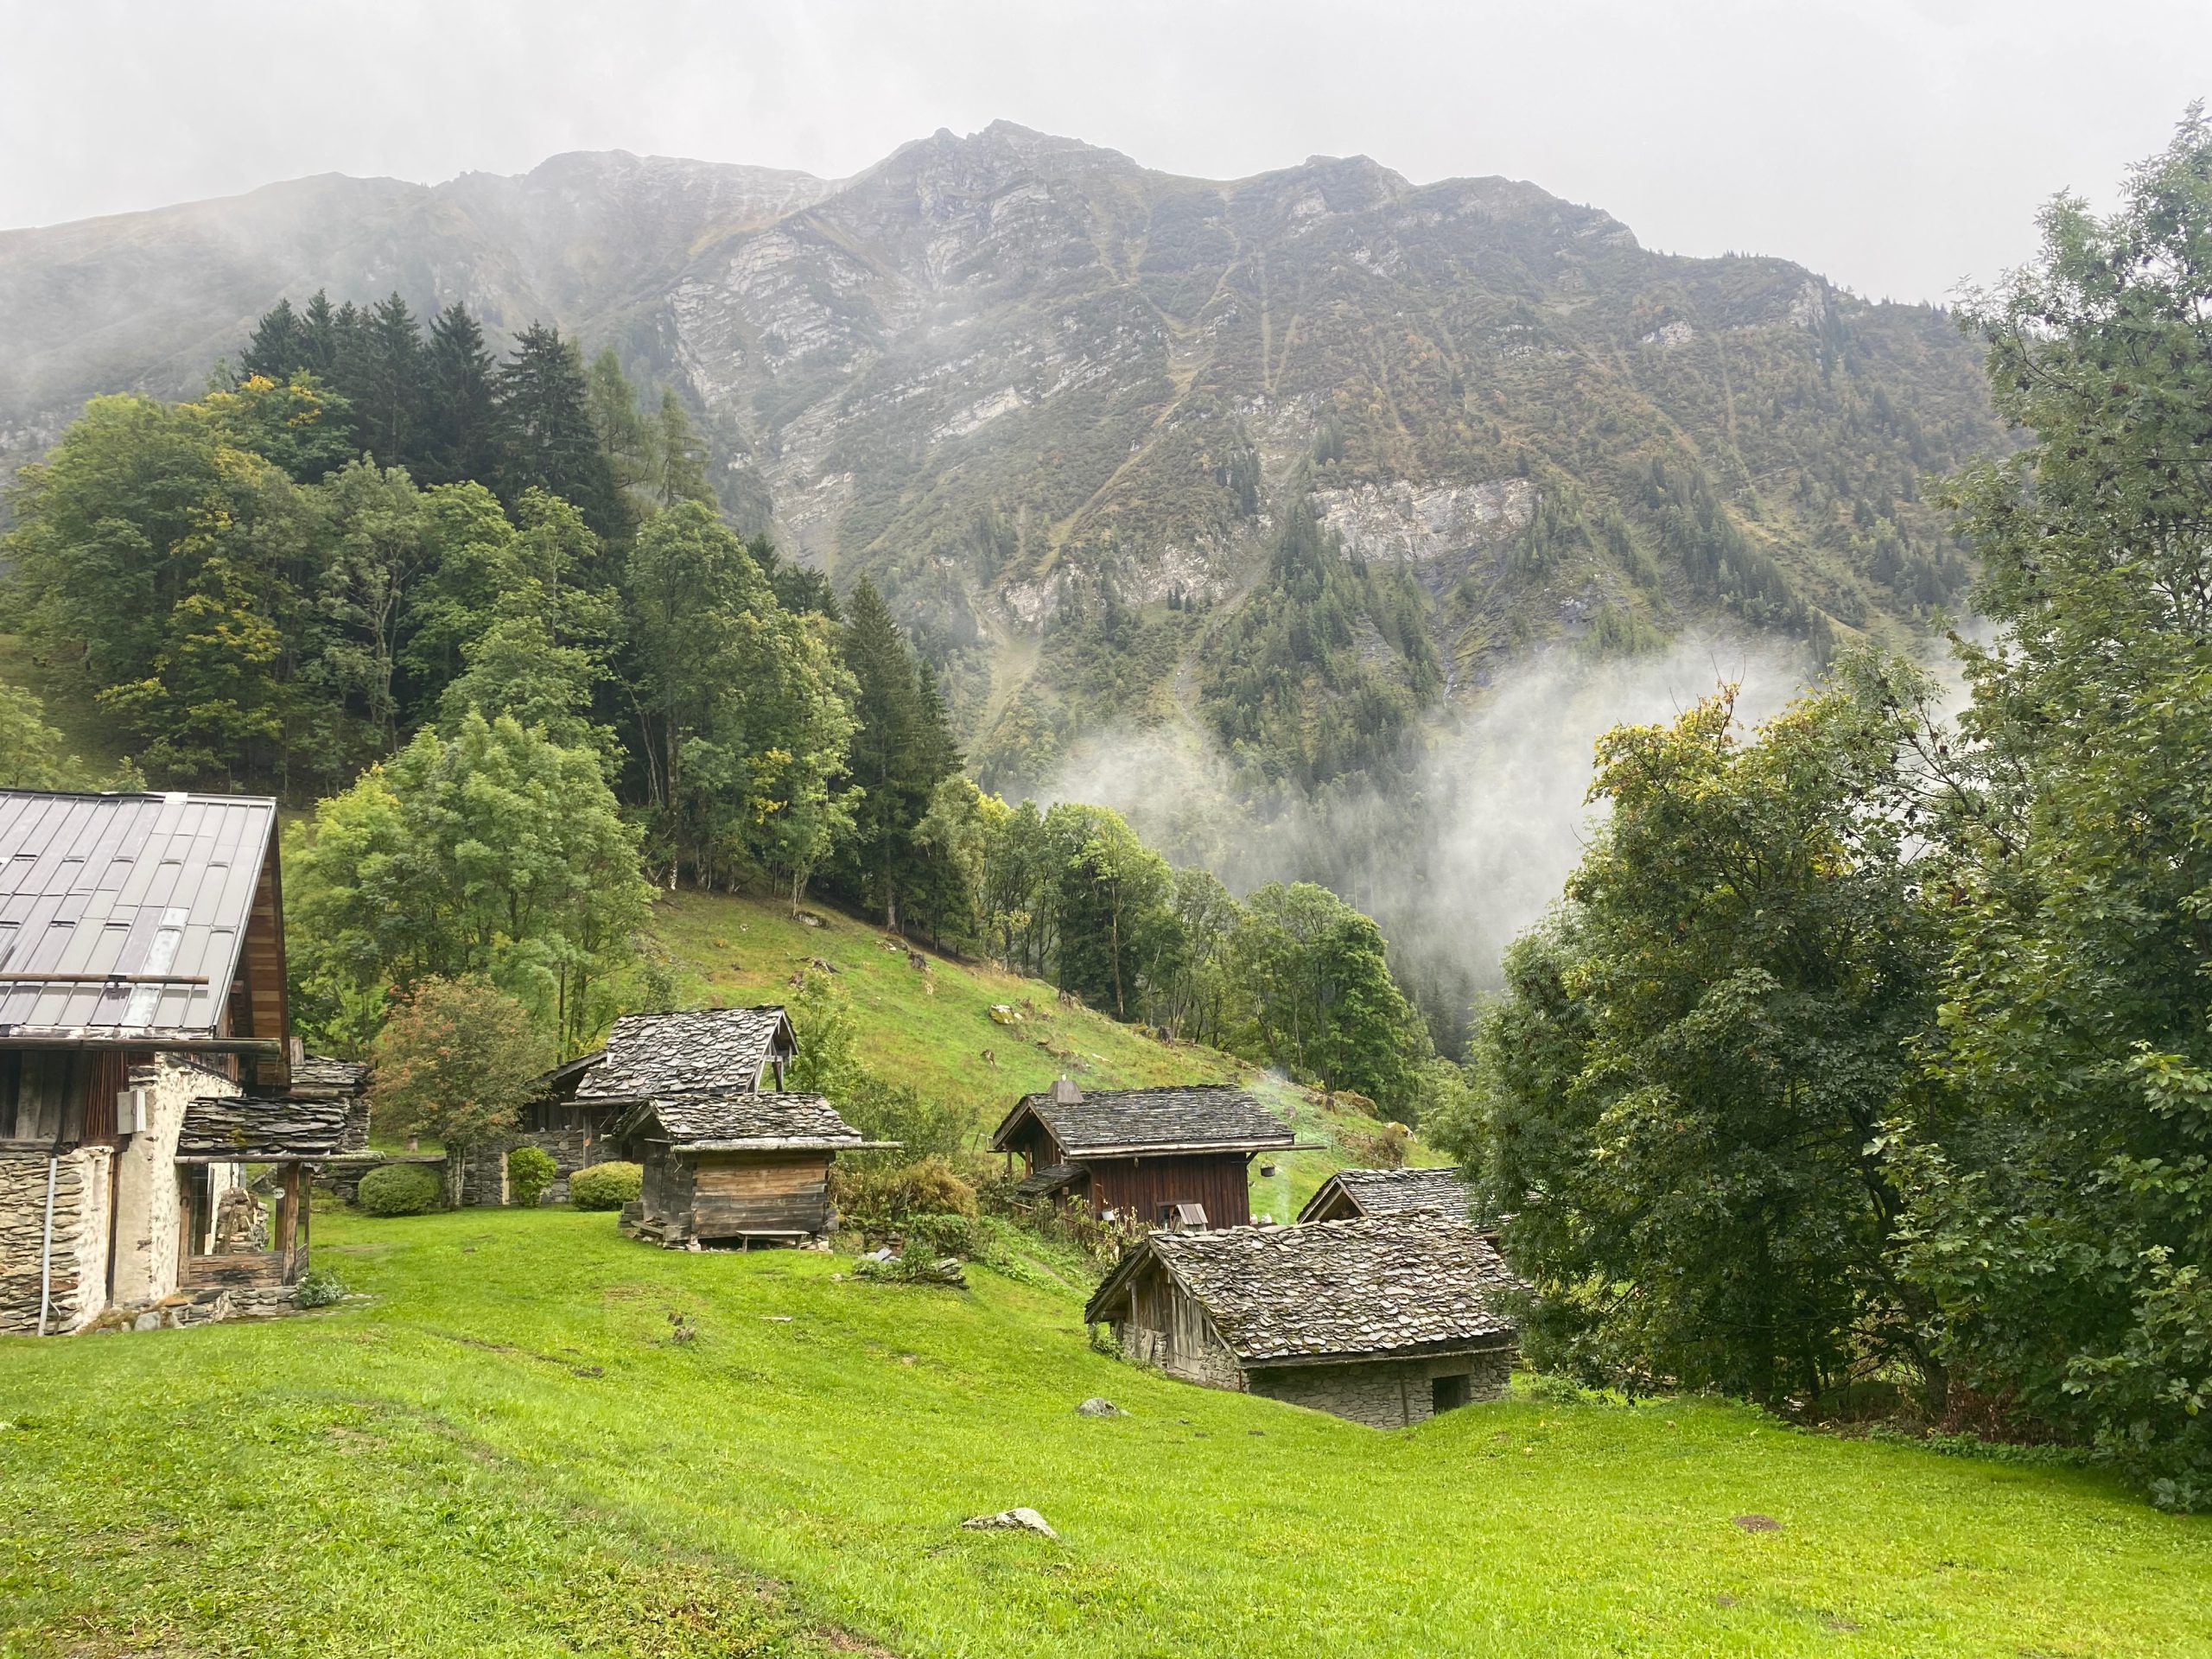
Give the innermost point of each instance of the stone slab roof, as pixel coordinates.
(1126, 1121)
(1421, 1282)
(724, 1050)
(733, 1122)
(1392, 1192)
(260, 1129)
(136, 905)
(1049, 1180)
(318, 1074)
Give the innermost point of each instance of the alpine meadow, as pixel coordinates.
(1015, 904)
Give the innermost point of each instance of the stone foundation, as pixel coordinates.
(1383, 1394)
(76, 1268)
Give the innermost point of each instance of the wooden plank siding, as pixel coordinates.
(262, 965)
(1216, 1180)
(759, 1193)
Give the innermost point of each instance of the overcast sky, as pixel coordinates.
(1896, 145)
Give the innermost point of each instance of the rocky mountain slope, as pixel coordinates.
(1062, 406)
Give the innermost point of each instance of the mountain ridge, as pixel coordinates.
(1063, 406)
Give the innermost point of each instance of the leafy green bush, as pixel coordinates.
(531, 1170)
(400, 1190)
(319, 1287)
(946, 1234)
(878, 1199)
(606, 1186)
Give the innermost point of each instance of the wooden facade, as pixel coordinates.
(736, 1169)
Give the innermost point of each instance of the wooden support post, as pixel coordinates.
(287, 1219)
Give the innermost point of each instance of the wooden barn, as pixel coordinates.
(734, 1169)
(647, 1056)
(1143, 1155)
(146, 1061)
(1386, 1322)
(1363, 1194)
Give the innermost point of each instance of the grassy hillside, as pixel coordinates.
(932, 1027)
(508, 1452)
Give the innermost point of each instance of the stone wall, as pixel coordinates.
(77, 1269)
(147, 1223)
(1382, 1394)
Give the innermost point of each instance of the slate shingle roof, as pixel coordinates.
(1051, 1179)
(318, 1074)
(1423, 1283)
(1128, 1121)
(1394, 1191)
(161, 886)
(710, 1122)
(264, 1128)
(649, 1055)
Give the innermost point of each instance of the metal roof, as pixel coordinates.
(123, 916)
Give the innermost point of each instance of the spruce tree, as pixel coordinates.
(460, 439)
(679, 459)
(892, 736)
(319, 335)
(548, 438)
(278, 347)
(388, 404)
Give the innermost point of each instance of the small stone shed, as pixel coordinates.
(647, 1057)
(1141, 1154)
(1356, 1194)
(735, 1169)
(1386, 1322)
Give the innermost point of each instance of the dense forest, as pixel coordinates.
(486, 613)
(1868, 1050)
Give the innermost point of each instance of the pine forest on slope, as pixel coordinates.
(1297, 459)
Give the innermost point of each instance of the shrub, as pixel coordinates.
(944, 1234)
(877, 1199)
(531, 1170)
(319, 1287)
(400, 1190)
(606, 1186)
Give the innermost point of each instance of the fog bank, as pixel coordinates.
(1471, 847)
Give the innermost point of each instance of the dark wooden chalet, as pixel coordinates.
(1357, 1194)
(1386, 1322)
(736, 1169)
(1141, 1154)
(647, 1056)
(145, 1059)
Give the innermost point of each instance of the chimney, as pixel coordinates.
(1065, 1093)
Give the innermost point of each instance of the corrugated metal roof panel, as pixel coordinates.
(120, 885)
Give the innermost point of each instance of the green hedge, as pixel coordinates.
(531, 1170)
(400, 1190)
(605, 1186)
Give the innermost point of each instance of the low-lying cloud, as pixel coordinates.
(1469, 848)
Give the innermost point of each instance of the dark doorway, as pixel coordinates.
(1448, 1393)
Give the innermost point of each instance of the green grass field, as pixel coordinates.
(932, 1028)
(508, 1452)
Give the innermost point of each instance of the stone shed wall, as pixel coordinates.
(76, 1286)
(148, 1198)
(1382, 1394)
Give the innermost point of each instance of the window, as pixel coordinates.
(1449, 1393)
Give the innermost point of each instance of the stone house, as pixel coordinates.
(1143, 1155)
(646, 1056)
(1356, 1194)
(734, 1170)
(145, 1056)
(1386, 1322)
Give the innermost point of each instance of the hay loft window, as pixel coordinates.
(1448, 1393)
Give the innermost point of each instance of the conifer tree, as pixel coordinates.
(460, 440)
(903, 747)
(278, 347)
(547, 431)
(679, 459)
(388, 400)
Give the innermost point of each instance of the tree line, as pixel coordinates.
(487, 611)
(1877, 1050)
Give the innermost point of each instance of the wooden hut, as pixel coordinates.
(1386, 1322)
(145, 1060)
(735, 1169)
(1356, 1194)
(647, 1056)
(1142, 1153)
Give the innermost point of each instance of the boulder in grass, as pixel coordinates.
(1095, 1406)
(1021, 1520)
